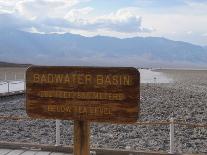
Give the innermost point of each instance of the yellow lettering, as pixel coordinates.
(99, 79)
(58, 78)
(101, 111)
(43, 79)
(51, 108)
(83, 95)
(36, 78)
(126, 80)
(115, 80)
(83, 79)
(80, 79)
(68, 109)
(50, 78)
(107, 111)
(74, 77)
(67, 79)
(107, 80)
(88, 78)
(82, 110)
(76, 110)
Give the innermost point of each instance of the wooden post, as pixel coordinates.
(81, 138)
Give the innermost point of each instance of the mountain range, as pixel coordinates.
(7, 64)
(70, 49)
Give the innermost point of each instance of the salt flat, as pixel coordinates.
(151, 76)
(184, 99)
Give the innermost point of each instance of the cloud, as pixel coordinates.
(78, 14)
(12, 5)
(7, 6)
(122, 21)
(61, 16)
(205, 34)
(160, 18)
(159, 3)
(189, 17)
(189, 32)
(44, 8)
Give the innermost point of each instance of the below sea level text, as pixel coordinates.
(76, 110)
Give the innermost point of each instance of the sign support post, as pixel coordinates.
(83, 94)
(81, 138)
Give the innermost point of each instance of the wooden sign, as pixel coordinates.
(101, 94)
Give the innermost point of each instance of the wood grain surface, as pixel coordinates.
(81, 138)
(101, 94)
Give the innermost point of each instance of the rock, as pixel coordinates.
(183, 100)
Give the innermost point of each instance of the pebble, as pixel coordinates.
(184, 101)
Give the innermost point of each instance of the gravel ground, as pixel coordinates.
(185, 100)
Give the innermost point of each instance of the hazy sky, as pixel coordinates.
(184, 20)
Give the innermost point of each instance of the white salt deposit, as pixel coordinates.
(150, 76)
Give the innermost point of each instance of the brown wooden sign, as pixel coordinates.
(101, 94)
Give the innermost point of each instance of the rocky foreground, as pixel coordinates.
(185, 100)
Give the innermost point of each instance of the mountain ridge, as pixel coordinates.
(8, 64)
(16, 46)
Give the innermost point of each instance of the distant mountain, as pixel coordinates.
(70, 49)
(7, 64)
